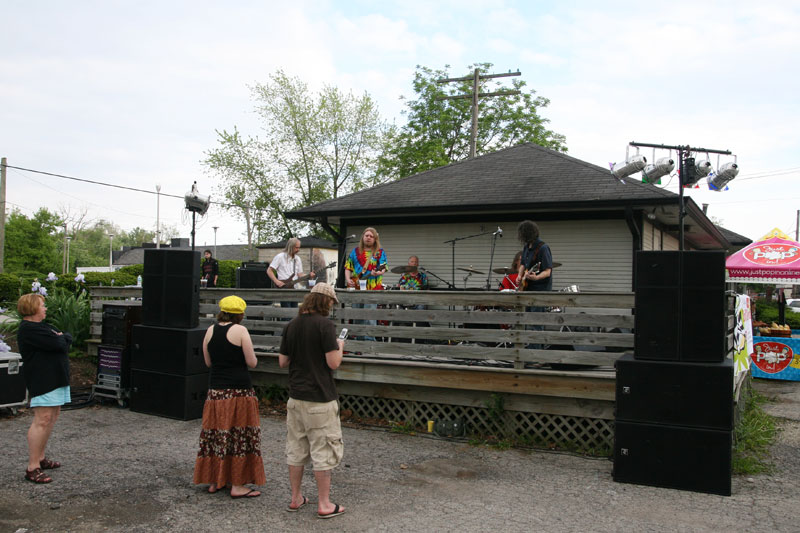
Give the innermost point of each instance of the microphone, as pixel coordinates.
(499, 231)
(350, 237)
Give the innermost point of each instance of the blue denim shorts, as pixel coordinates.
(54, 398)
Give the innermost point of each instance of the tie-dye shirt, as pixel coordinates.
(414, 281)
(359, 263)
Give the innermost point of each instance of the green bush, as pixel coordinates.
(119, 278)
(71, 313)
(227, 273)
(9, 288)
(133, 270)
(768, 312)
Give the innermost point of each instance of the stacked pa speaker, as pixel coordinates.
(169, 377)
(674, 397)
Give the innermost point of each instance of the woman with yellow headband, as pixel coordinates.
(230, 442)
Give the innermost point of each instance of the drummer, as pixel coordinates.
(412, 279)
(510, 279)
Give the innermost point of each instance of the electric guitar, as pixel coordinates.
(289, 283)
(523, 282)
(364, 275)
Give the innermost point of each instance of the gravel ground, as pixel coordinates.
(126, 471)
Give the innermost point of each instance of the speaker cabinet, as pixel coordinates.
(171, 288)
(680, 306)
(168, 395)
(672, 456)
(253, 278)
(168, 350)
(118, 321)
(667, 392)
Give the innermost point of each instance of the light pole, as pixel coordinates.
(68, 240)
(215, 240)
(64, 259)
(158, 216)
(111, 252)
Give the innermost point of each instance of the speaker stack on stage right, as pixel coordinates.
(674, 397)
(169, 377)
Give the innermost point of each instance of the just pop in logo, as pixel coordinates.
(772, 254)
(772, 357)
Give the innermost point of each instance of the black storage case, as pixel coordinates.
(13, 392)
(171, 288)
(673, 456)
(669, 392)
(118, 321)
(168, 350)
(681, 306)
(168, 395)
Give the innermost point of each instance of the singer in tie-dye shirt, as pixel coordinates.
(367, 261)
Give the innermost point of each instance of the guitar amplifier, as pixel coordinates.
(13, 392)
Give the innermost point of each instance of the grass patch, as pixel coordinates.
(403, 427)
(753, 436)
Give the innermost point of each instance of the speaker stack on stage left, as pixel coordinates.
(674, 398)
(169, 377)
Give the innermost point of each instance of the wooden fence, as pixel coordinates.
(544, 377)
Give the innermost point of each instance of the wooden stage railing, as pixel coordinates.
(546, 376)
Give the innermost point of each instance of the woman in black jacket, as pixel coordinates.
(45, 365)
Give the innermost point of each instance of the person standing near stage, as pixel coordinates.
(45, 367)
(413, 279)
(311, 351)
(230, 441)
(210, 269)
(367, 262)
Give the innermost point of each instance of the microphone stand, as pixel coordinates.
(449, 285)
(491, 260)
(452, 243)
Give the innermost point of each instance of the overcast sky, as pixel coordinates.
(131, 93)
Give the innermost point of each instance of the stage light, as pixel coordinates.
(630, 166)
(724, 174)
(695, 171)
(195, 201)
(662, 167)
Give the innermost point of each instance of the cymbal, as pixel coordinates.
(505, 270)
(471, 270)
(404, 268)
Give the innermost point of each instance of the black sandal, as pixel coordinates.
(37, 475)
(47, 464)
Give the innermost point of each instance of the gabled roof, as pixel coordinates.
(525, 176)
(234, 252)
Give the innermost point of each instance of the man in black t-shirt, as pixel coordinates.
(311, 352)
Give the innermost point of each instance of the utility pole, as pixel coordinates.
(158, 216)
(65, 260)
(475, 96)
(215, 240)
(2, 213)
(796, 227)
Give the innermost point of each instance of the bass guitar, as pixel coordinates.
(523, 282)
(289, 283)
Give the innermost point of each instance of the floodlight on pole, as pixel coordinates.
(724, 175)
(702, 169)
(661, 168)
(630, 166)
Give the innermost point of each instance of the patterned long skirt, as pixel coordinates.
(230, 442)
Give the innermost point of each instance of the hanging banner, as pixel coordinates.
(742, 336)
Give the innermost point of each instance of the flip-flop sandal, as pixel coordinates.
(248, 494)
(335, 512)
(47, 464)
(295, 509)
(37, 475)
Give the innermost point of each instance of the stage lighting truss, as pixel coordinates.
(694, 169)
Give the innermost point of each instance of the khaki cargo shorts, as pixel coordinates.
(313, 432)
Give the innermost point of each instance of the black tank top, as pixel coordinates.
(228, 367)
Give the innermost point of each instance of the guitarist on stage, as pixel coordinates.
(534, 252)
(287, 265)
(535, 268)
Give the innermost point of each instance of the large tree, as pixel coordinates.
(33, 244)
(315, 146)
(437, 131)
